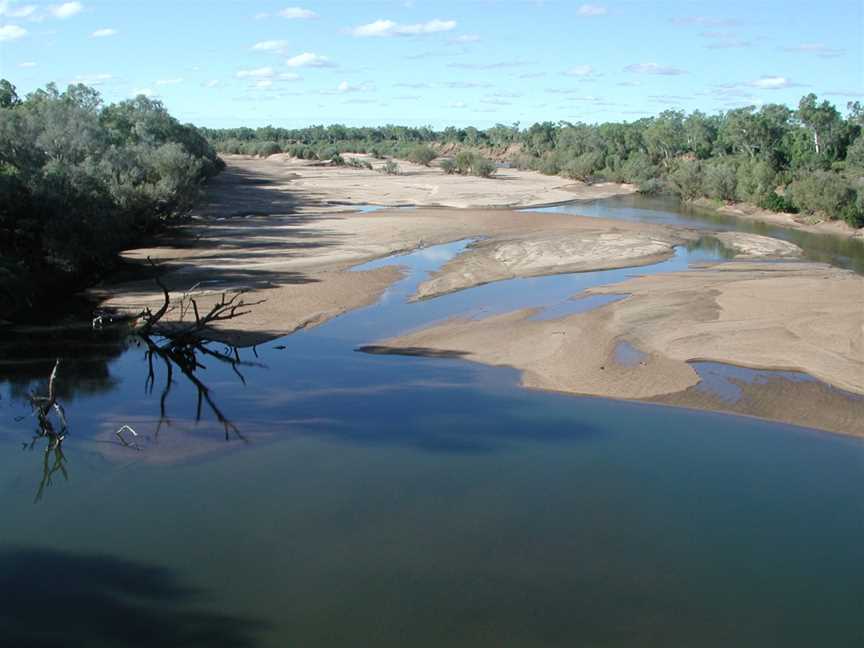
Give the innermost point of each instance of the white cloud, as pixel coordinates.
(381, 28)
(297, 13)
(464, 39)
(458, 104)
(654, 68)
(704, 21)
(27, 64)
(466, 84)
(255, 73)
(289, 76)
(591, 10)
(499, 65)
(263, 83)
(94, 79)
(772, 83)
(22, 11)
(580, 71)
(212, 83)
(103, 33)
(308, 59)
(162, 82)
(819, 49)
(277, 46)
(11, 32)
(66, 10)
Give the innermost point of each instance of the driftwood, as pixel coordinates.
(43, 406)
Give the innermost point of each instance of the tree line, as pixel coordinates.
(810, 159)
(81, 180)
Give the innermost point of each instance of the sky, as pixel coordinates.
(227, 63)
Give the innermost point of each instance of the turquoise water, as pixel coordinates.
(382, 500)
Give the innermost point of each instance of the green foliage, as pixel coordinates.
(483, 168)
(464, 161)
(448, 166)
(422, 154)
(391, 168)
(828, 194)
(720, 179)
(584, 166)
(776, 202)
(79, 180)
(266, 149)
(687, 180)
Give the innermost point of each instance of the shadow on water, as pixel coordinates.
(58, 599)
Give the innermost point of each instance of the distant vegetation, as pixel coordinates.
(80, 180)
(809, 160)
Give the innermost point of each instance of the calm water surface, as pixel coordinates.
(382, 500)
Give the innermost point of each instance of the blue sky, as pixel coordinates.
(416, 62)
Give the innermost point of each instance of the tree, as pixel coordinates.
(422, 154)
(822, 120)
(8, 96)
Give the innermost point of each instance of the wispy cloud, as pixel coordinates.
(466, 85)
(818, 49)
(654, 68)
(277, 46)
(591, 10)
(383, 28)
(261, 72)
(27, 64)
(703, 21)
(164, 82)
(94, 79)
(413, 85)
(464, 39)
(723, 40)
(309, 59)
(66, 10)
(458, 104)
(104, 33)
(297, 13)
(499, 65)
(212, 83)
(347, 88)
(579, 71)
(773, 83)
(11, 32)
(16, 11)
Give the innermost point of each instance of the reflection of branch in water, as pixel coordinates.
(184, 355)
(43, 406)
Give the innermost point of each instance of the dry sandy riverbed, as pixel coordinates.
(790, 316)
(274, 227)
(271, 227)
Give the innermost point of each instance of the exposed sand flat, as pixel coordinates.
(258, 233)
(794, 316)
(750, 246)
(494, 260)
(418, 185)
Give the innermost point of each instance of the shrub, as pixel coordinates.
(756, 179)
(548, 165)
(583, 166)
(483, 168)
(337, 160)
(422, 154)
(464, 161)
(821, 192)
(720, 180)
(777, 203)
(652, 187)
(448, 166)
(390, 168)
(687, 180)
(266, 149)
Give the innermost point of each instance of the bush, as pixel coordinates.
(776, 203)
(652, 187)
(756, 179)
(583, 167)
(687, 180)
(391, 168)
(483, 168)
(821, 192)
(548, 165)
(464, 161)
(448, 166)
(422, 154)
(266, 149)
(720, 180)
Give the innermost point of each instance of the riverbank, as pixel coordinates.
(277, 233)
(782, 219)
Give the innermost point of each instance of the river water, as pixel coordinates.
(379, 500)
